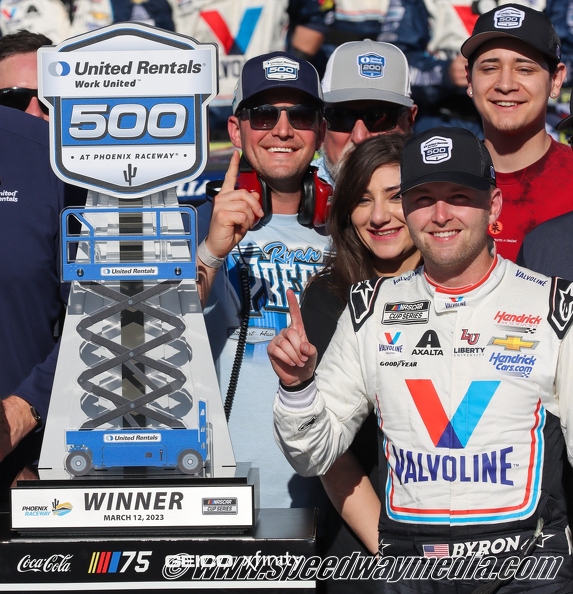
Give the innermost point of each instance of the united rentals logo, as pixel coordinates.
(436, 150)
(508, 18)
(451, 433)
(281, 69)
(371, 65)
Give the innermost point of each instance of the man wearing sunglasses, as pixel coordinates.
(263, 228)
(366, 92)
(19, 72)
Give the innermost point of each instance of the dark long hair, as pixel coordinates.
(350, 261)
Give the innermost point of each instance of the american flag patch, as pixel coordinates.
(436, 550)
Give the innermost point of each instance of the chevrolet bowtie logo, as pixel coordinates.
(513, 343)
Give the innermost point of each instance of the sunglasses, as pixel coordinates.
(376, 119)
(265, 117)
(19, 98)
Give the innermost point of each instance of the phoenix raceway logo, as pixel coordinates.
(238, 44)
(293, 568)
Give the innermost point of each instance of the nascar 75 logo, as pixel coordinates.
(111, 562)
(455, 432)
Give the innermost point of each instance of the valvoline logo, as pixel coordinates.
(239, 43)
(451, 433)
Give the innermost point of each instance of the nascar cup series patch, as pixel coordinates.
(371, 65)
(128, 108)
(508, 18)
(281, 69)
(436, 149)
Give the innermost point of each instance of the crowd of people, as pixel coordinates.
(408, 286)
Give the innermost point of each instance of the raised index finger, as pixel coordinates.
(232, 172)
(295, 314)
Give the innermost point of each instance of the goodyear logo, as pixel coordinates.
(436, 150)
(371, 65)
(281, 69)
(508, 18)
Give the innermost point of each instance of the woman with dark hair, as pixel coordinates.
(369, 238)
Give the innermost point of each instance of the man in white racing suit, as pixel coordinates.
(466, 362)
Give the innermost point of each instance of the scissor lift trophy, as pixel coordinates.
(136, 437)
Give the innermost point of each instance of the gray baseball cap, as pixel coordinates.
(360, 70)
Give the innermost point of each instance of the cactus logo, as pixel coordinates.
(436, 150)
(508, 18)
(61, 509)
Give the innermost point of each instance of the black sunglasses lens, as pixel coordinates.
(19, 98)
(263, 117)
(375, 119)
(381, 120)
(340, 120)
(301, 117)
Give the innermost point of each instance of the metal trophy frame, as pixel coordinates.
(136, 436)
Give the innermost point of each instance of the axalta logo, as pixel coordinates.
(451, 433)
(54, 564)
(281, 69)
(513, 343)
(238, 44)
(371, 65)
(508, 18)
(429, 344)
(436, 150)
(119, 561)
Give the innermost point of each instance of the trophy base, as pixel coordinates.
(136, 506)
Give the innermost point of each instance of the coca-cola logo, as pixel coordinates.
(53, 564)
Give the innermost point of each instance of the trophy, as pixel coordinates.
(136, 436)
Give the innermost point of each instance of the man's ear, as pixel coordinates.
(234, 130)
(496, 202)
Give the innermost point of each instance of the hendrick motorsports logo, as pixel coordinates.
(128, 107)
(436, 149)
(508, 18)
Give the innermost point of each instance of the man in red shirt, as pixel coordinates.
(513, 68)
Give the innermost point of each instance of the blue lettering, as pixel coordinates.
(504, 465)
(489, 467)
(399, 463)
(410, 469)
(463, 477)
(421, 476)
(449, 476)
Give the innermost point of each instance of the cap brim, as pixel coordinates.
(472, 44)
(358, 94)
(454, 177)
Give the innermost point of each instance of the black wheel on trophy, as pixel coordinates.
(190, 461)
(79, 462)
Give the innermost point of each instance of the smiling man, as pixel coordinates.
(277, 122)
(473, 409)
(513, 68)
